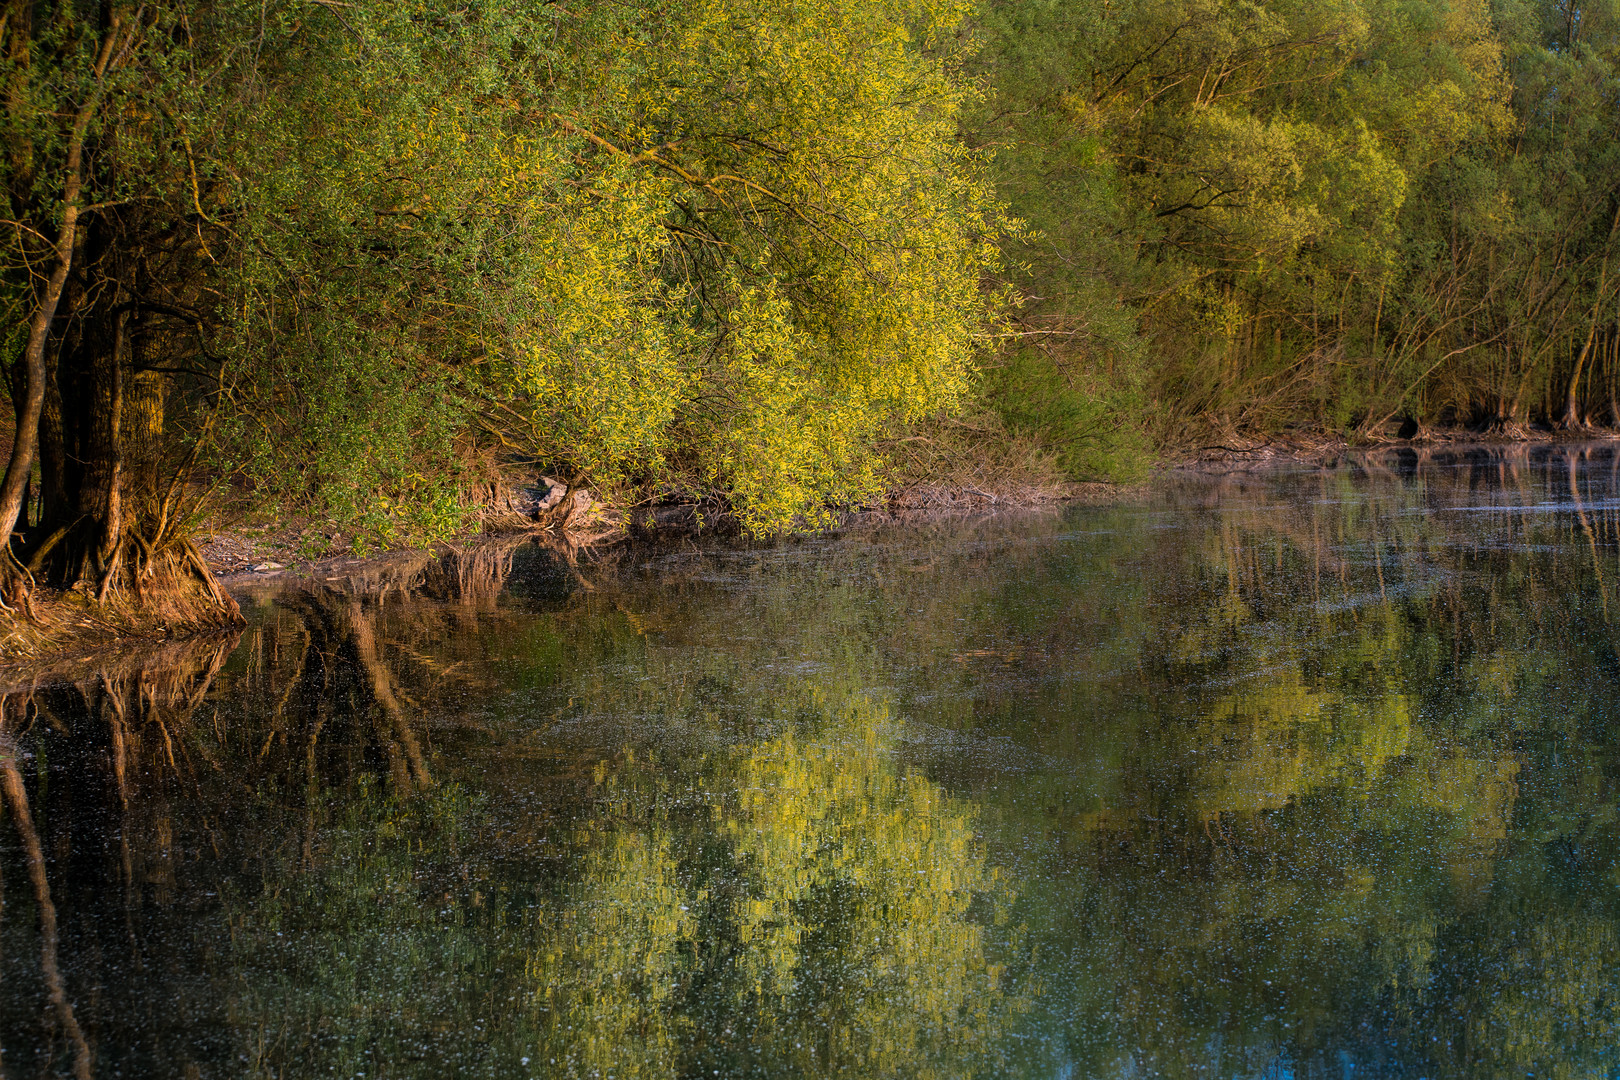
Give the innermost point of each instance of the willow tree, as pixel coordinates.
(358, 257)
(1283, 213)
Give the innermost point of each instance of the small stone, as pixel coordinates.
(266, 567)
(555, 490)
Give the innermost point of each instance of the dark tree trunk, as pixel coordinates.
(98, 531)
(53, 464)
(144, 403)
(80, 458)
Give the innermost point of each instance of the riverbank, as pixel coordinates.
(243, 553)
(1316, 448)
(238, 549)
(70, 632)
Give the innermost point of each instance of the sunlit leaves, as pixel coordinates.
(712, 246)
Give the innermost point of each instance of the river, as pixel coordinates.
(1298, 772)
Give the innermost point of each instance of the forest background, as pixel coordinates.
(376, 262)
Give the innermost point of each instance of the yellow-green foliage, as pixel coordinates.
(720, 245)
(829, 239)
(847, 874)
(1294, 212)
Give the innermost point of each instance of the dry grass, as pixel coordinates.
(171, 603)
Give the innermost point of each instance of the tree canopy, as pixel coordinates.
(365, 260)
(1328, 216)
(359, 256)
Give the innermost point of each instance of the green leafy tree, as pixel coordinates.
(359, 256)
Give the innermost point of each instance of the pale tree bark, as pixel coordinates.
(1572, 410)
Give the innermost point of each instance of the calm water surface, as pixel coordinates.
(1304, 773)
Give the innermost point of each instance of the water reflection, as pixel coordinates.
(1300, 773)
(92, 769)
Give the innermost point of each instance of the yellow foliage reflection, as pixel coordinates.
(827, 928)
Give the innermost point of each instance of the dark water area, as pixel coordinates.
(1292, 774)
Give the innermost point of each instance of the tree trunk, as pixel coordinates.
(1571, 419)
(54, 503)
(26, 440)
(144, 414)
(57, 453)
(80, 458)
(1510, 421)
(1572, 415)
(1614, 374)
(99, 503)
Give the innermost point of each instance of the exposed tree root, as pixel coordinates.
(76, 589)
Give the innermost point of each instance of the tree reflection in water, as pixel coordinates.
(1283, 773)
(92, 763)
(797, 904)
